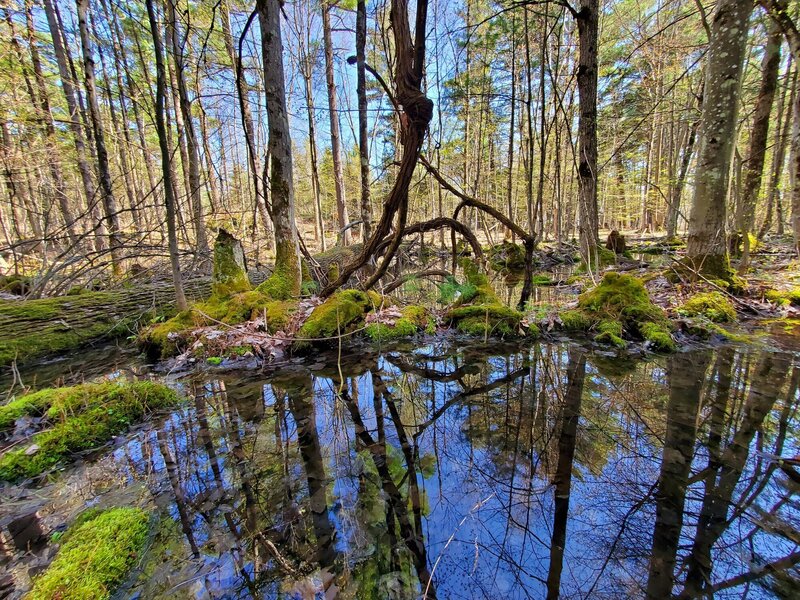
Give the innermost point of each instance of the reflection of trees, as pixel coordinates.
(576, 370)
(686, 373)
(336, 467)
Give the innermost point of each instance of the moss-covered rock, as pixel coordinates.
(617, 307)
(714, 306)
(506, 255)
(97, 554)
(413, 319)
(78, 418)
(343, 311)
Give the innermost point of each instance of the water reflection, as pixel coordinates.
(529, 472)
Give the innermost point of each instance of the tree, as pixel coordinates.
(363, 139)
(285, 281)
(707, 248)
(201, 240)
(333, 113)
(166, 157)
(588, 22)
(754, 166)
(106, 187)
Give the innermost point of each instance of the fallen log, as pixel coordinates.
(33, 329)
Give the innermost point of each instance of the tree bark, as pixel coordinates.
(68, 87)
(287, 275)
(246, 113)
(106, 187)
(588, 22)
(49, 129)
(707, 249)
(333, 112)
(166, 158)
(754, 166)
(192, 146)
(363, 139)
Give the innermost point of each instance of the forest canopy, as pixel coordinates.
(134, 131)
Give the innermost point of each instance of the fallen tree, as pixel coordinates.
(31, 329)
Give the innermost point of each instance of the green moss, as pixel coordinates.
(487, 320)
(658, 336)
(414, 318)
(784, 298)
(229, 276)
(34, 404)
(542, 280)
(166, 339)
(282, 284)
(617, 307)
(610, 332)
(601, 257)
(84, 417)
(31, 329)
(95, 558)
(341, 312)
(712, 305)
(506, 255)
(214, 360)
(18, 285)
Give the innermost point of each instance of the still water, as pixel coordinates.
(450, 470)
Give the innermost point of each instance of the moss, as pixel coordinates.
(784, 298)
(610, 332)
(477, 280)
(712, 305)
(31, 328)
(414, 319)
(601, 257)
(658, 336)
(214, 360)
(542, 280)
(506, 255)
(34, 404)
(163, 340)
(19, 285)
(339, 313)
(84, 417)
(229, 276)
(715, 268)
(619, 307)
(95, 558)
(487, 319)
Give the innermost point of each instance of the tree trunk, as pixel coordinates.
(588, 21)
(166, 158)
(363, 139)
(68, 87)
(192, 147)
(285, 280)
(782, 134)
(49, 130)
(674, 209)
(779, 11)
(707, 249)
(754, 167)
(106, 188)
(336, 144)
(247, 115)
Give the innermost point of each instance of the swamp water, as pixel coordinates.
(454, 470)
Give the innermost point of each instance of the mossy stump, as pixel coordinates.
(618, 308)
(230, 271)
(341, 313)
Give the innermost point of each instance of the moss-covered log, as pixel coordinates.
(31, 329)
